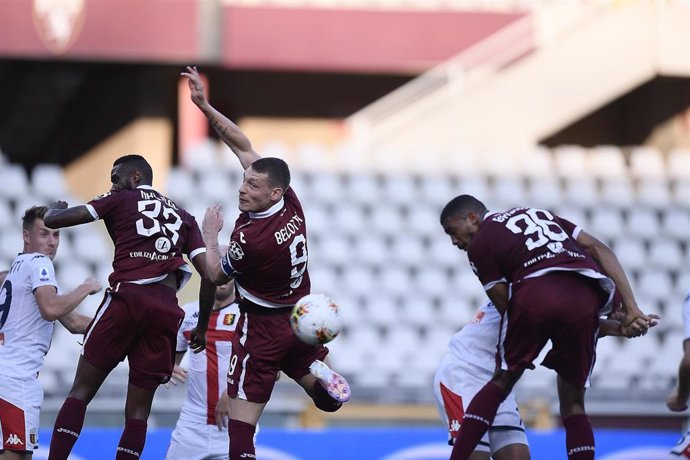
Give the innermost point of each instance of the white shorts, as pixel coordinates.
(455, 384)
(196, 441)
(20, 408)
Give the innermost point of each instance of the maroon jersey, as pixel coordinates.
(267, 254)
(150, 233)
(525, 243)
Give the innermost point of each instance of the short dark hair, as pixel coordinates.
(137, 163)
(462, 205)
(31, 214)
(276, 169)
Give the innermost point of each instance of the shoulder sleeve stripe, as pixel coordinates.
(92, 211)
(576, 232)
(491, 284)
(196, 252)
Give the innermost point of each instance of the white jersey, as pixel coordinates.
(206, 377)
(24, 334)
(476, 342)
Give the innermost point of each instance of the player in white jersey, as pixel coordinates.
(30, 301)
(201, 432)
(463, 371)
(677, 401)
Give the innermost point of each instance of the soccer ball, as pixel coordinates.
(316, 319)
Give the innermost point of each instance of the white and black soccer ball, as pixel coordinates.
(316, 319)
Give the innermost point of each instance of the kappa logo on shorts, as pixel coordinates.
(13, 440)
(235, 250)
(454, 426)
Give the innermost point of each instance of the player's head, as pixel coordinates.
(461, 218)
(264, 183)
(129, 172)
(37, 237)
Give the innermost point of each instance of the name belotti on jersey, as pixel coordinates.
(290, 229)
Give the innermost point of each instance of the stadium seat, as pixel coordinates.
(360, 280)
(456, 311)
(642, 223)
(394, 281)
(90, 245)
(10, 245)
(213, 186)
(436, 190)
(371, 250)
(407, 250)
(442, 253)
(7, 220)
(679, 164)
(334, 249)
(324, 280)
(180, 186)
(324, 187)
(571, 161)
(382, 311)
(544, 193)
(475, 186)
(508, 192)
(607, 162)
(617, 192)
(581, 192)
(71, 274)
(14, 183)
(665, 254)
(676, 222)
(202, 156)
(647, 163)
(361, 188)
(431, 281)
(631, 253)
(313, 156)
(653, 193)
(538, 163)
(347, 218)
(606, 223)
(386, 220)
(399, 189)
(681, 193)
(654, 284)
(423, 220)
(48, 182)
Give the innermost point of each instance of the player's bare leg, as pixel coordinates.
(244, 415)
(579, 437)
(70, 419)
(477, 455)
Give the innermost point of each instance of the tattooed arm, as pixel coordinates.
(228, 131)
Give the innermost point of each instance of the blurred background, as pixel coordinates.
(384, 109)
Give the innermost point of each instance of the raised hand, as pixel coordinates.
(197, 340)
(197, 89)
(213, 220)
(58, 205)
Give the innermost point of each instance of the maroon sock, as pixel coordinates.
(67, 427)
(241, 440)
(579, 437)
(132, 440)
(477, 419)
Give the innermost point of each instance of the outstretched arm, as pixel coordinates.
(608, 261)
(59, 215)
(75, 322)
(53, 306)
(228, 131)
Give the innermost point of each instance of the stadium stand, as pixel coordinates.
(403, 289)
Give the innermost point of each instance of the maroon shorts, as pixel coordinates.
(264, 344)
(561, 307)
(139, 322)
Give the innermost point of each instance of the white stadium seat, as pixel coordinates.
(617, 192)
(666, 254)
(581, 192)
(508, 192)
(48, 182)
(394, 281)
(407, 250)
(606, 223)
(14, 182)
(545, 193)
(642, 223)
(653, 193)
(437, 190)
(348, 218)
(679, 164)
(607, 162)
(180, 186)
(571, 161)
(654, 284)
(647, 162)
(631, 253)
(399, 189)
(383, 310)
(371, 250)
(676, 222)
(361, 188)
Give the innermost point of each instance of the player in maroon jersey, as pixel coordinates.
(558, 293)
(267, 256)
(139, 315)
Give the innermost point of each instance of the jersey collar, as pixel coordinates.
(269, 212)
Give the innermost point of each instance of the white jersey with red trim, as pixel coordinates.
(24, 335)
(476, 342)
(206, 376)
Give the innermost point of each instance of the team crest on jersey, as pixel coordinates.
(43, 274)
(163, 244)
(478, 317)
(235, 251)
(32, 436)
(229, 319)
